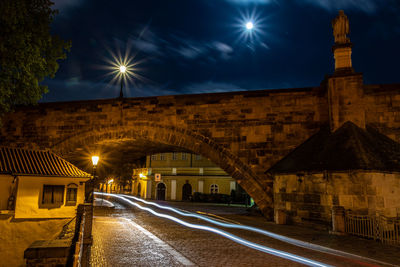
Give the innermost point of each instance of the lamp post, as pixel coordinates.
(122, 71)
(95, 160)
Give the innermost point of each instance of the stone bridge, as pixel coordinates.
(242, 132)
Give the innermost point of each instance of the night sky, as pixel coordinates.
(199, 46)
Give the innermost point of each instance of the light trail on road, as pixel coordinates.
(282, 238)
(234, 238)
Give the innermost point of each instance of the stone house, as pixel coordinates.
(354, 168)
(180, 176)
(39, 184)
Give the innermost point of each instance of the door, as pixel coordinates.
(186, 192)
(139, 189)
(161, 191)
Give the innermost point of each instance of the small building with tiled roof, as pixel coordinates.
(39, 184)
(354, 168)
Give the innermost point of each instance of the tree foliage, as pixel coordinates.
(28, 51)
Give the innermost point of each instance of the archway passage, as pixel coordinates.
(128, 144)
(161, 191)
(186, 191)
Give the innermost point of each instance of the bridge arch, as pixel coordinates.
(182, 138)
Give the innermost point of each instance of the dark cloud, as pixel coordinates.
(211, 86)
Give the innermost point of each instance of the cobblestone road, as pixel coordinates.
(131, 237)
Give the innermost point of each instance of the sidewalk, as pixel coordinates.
(363, 248)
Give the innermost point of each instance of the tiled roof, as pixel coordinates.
(348, 148)
(17, 161)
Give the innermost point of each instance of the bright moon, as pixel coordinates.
(249, 25)
(122, 69)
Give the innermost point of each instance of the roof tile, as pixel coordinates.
(17, 161)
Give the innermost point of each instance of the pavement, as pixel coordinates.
(320, 239)
(126, 236)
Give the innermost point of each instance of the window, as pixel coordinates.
(198, 157)
(214, 189)
(162, 156)
(174, 156)
(53, 194)
(72, 194)
(184, 156)
(154, 157)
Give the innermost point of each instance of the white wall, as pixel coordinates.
(29, 196)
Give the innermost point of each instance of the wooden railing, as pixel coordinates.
(387, 230)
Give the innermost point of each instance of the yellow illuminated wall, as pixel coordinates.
(175, 171)
(29, 197)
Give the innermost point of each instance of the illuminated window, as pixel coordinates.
(154, 157)
(162, 156)
(198, 157)
(214, 189)
(184, 156)
(53, 194)
(72, 194)
(174, 156)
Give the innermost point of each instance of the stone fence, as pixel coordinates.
(73, 251)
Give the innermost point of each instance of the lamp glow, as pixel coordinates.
(95, 160)
(110, 181)
(141, 175)
(249, 25)
(122, 69)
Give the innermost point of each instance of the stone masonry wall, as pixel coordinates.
(382, 108)
(310, 198)
(243, 132)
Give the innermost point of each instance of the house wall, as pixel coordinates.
(6, 187)
(312, 198)
(224, 184)
(29, 196)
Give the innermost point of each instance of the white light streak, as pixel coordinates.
(234, 238)
(228, 225)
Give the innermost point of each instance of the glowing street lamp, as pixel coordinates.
(122, 71)
(95, 161)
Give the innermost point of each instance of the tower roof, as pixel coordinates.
(348, 148)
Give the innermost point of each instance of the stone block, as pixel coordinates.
(48, 249)
(280, 217)
(346, 201)
(380, 202)
(312, 198)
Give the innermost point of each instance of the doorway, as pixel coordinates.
(139, 189)
(186, 192)
(161, 191)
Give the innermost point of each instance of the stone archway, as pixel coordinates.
(257, 188)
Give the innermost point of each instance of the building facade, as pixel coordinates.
(177, 176)
(39, 184)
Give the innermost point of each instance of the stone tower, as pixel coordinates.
(345, 87)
